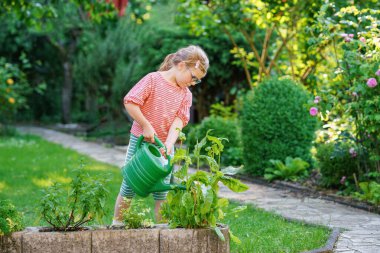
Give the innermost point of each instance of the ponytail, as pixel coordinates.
(192, 55)
(168, 63)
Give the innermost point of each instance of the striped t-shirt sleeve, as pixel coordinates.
(184, 111)
(140, 92)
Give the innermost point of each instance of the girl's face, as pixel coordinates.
(187, 76)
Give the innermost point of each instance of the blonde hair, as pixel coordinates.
(193, 56)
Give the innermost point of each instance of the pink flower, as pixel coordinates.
(313, 111)
(372, 82)
(377, 72)
(317, 99)
(347, 39)
(352, 152)
(343, 179)
(351, 35)
(362, 39)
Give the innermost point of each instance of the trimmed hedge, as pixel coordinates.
(276, 124)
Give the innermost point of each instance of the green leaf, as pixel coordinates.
(231, 170)
(219, 233)
(234, 238)
(223, 202)
(234, 184)
(211, 162)
(199, 146)
(208, 201)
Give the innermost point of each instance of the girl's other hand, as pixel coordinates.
(148, 133)
(169, 148)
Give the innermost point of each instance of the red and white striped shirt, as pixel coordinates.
(160, 102)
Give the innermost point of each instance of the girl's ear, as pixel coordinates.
(181, 65)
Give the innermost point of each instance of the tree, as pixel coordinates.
(273, 30)
(61, 24)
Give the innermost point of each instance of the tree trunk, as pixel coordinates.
(67, 91)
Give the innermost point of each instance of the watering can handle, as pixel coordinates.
(158, 142)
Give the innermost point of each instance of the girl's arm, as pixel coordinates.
(173, 134)
(135, 112)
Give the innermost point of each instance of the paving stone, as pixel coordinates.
(364, 227)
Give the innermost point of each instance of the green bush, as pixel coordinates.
(226, 128)
(336, 162)
(275, 124)
(10, 218)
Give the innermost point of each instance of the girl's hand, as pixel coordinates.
(148, 132)
(169, 148)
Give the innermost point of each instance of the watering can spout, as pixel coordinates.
(161, 186)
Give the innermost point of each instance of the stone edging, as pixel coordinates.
(329, 247)
(311, 193)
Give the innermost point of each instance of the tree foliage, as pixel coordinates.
(273, 30)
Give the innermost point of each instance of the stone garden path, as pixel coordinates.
(361, 228)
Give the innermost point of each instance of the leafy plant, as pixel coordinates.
(10, 219)
(370, 192)
(68, 209)
(136, 216)
(336, 162)
(226, 112)
(292, 170)
(14, 88)
(198, 206)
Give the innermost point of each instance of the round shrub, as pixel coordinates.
(222, 128)
(275, 124)
(336, 162)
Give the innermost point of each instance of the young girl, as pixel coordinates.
(159, 104)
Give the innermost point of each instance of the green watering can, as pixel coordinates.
(145, 173)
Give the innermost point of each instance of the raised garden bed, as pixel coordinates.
(160, 239)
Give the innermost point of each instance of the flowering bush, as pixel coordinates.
(13, 87)
(352, 94)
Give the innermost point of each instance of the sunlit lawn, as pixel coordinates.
(28, 164)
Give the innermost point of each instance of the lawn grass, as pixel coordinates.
(29, 164)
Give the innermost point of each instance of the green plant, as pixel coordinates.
(136, 216)
(221, 110)
(370, 191)
(350, 90)
(292, 170)
(198, 206)
(228, 128)
(275, 124)
(68, 209)
(10, 219)
(336, 162)
(14, 88)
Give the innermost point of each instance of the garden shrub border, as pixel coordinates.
(313, 193)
